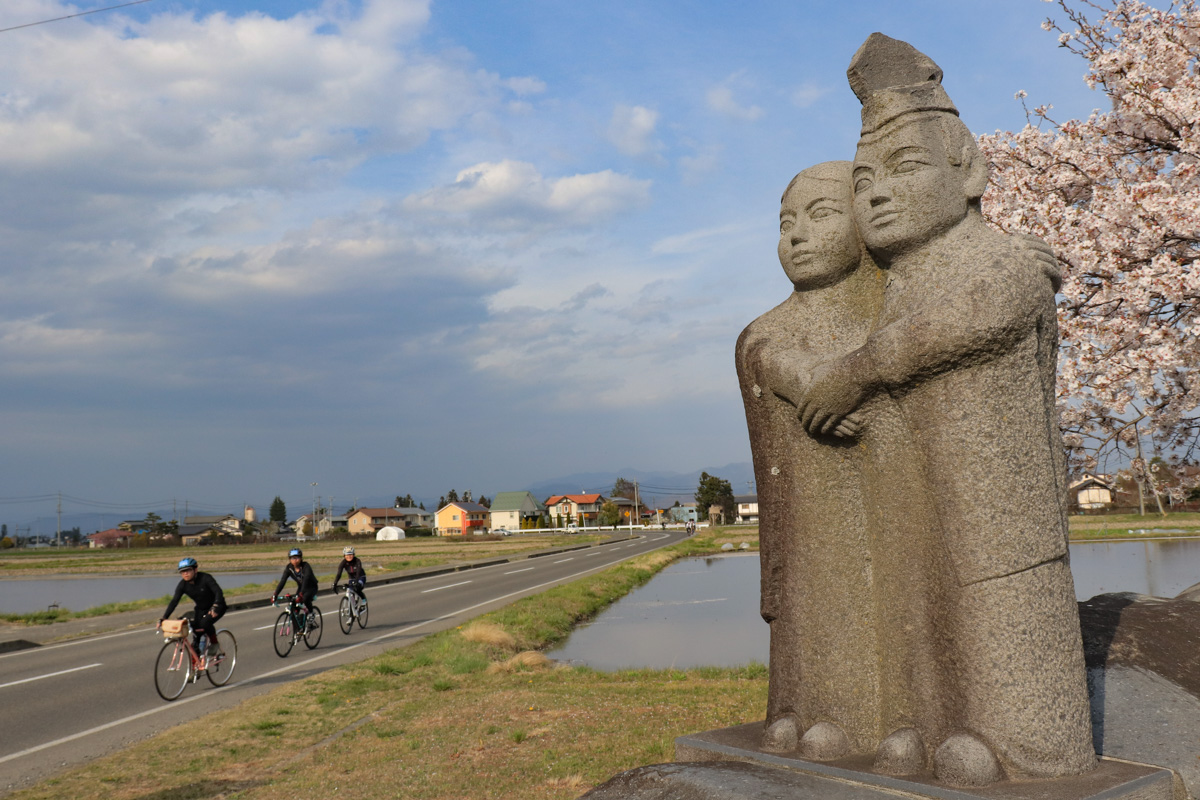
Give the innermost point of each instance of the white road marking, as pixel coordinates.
(48, 675)
(515, 571)
(565, 560)
(447, 586)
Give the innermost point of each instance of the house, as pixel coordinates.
(460, 518)
(626, 511)
(225, 523)
(1090, 492)
(322, 527)
(745, 508)
(515, 510)
(684, 513)
(113, 537)
(371, 520)
(582, 509)
(200, 533)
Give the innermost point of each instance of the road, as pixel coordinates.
(65, 704)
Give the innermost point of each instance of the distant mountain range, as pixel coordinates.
(657, 488)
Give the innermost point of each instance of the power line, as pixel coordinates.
(73, 16)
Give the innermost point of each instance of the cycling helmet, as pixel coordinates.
(187, 563)
(295, 551)
(347, 551)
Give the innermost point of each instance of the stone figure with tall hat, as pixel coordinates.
(966, 344)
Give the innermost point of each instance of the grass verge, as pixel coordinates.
(450, 716)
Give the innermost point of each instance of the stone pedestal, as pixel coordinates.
(853, 778)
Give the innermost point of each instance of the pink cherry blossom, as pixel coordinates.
(1117, 196)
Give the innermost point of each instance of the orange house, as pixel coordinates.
(458, 519)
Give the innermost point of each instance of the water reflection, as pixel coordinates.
(1161, 568)
(78, 593)
(704, 612)
(696, 612)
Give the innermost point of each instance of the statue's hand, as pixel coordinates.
(850, 427)
(837, 389)
(1041, 254)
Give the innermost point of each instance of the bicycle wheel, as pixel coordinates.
(221, 671)
(312, 634)
(282, 637)
(172, 670)
(345, 614)
(362, 612)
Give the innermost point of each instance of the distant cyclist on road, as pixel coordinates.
(203, 589)
(299, 571)
(356, 574)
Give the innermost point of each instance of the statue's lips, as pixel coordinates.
(802, 256)
(879, 220)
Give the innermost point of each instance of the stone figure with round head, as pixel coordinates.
(847, 582)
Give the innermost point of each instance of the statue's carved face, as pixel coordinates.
(906, 191)
(818, 245)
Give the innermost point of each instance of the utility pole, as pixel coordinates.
(58, 531)
(314, 516)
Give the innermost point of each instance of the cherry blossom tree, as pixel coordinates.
(1118, 198)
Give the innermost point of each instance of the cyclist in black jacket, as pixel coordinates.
(356, 574)
(299, 571)
(203, 589)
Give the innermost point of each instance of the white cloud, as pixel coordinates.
(511, 192)
(631, 130)
(723, 98)
(702, 239)
(218, 102)
(808, 93)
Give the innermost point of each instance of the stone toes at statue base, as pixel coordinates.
(963, 760)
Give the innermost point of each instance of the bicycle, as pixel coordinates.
(295, 624)
(180, 662)
(351, 607)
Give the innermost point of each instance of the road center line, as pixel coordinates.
(447, 586)
(47, 675)
(515, 571)
(565, 560)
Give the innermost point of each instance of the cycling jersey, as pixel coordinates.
(208, 597)
(306, 581)
(354, 570)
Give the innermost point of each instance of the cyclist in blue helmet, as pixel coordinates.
(204, 591)
(299, 571)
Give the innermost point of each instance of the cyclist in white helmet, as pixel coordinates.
(356, 574)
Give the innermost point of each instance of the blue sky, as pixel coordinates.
(401, 247)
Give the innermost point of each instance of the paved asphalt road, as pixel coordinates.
(68, 703)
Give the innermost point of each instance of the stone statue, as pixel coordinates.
(909, 464)
(846, 564)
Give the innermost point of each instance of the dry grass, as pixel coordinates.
(489, 633)
(529, 659)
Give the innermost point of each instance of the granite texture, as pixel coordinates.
(1111, 779)
(911, 477)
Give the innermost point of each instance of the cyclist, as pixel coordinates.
(299, 571)
(356, 574)
(203, 589)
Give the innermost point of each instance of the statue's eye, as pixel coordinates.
(907, 166)
(862, 184)
(785, 226)
(821, 212)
